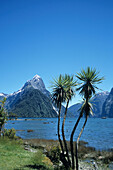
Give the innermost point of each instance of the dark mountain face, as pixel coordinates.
(107, 109)
(33, 103)
(35, 83)
(32, 100)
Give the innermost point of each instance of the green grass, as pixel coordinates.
(14, 157)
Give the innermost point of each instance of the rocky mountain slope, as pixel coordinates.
(97, 102)
(33, 103)
(32, 100)
(107, 109)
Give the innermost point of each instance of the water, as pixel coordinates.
(98, 132)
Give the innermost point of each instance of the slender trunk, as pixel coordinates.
(63, 135)
(59, 138)
(71, 141)
(62, 157)
(77, 167)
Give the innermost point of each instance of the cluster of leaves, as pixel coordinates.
(40, 161)
(54, 154)
(3, 114)
(10, 133)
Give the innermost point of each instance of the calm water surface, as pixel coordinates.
(98, 132)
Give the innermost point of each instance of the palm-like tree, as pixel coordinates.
(59, 96)
(70, 83)
(86, 109)
(89, 78)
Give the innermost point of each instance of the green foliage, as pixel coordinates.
(3, 114)
(59, 91)
(89, 78)
(10, 133)
(54, 154)
(40, 159)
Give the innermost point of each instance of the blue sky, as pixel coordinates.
(52, 37)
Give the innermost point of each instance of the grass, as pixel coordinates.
(14, 157)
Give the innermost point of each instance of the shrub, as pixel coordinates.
(54, 154)
(10, 133)
(40, 161)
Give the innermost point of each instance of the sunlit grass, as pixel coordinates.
(13, 156)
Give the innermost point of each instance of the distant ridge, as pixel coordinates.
(33, 100)
(97, 102)
(107, 109)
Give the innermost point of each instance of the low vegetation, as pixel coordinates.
(45, 155)
(14, 156)
(87, 155)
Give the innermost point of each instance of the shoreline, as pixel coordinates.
(81, 142)
(88, 156)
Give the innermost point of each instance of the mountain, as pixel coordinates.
(97, 102)
(33, 103)
(107, 109)
(32, 100)
(2, 95)
(35, 83)
(74, 110)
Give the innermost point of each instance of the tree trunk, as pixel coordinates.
(71, 141)
(63, 135)
(77, 167)
(58, 130)
(62, 157)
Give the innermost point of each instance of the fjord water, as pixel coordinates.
(98, 132)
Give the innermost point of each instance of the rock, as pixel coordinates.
(29, 130)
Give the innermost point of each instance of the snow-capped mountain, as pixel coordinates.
(18, 102)
(97, 102)
(35, 83)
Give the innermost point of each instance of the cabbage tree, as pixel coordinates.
(88, 80)
(70, 84)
